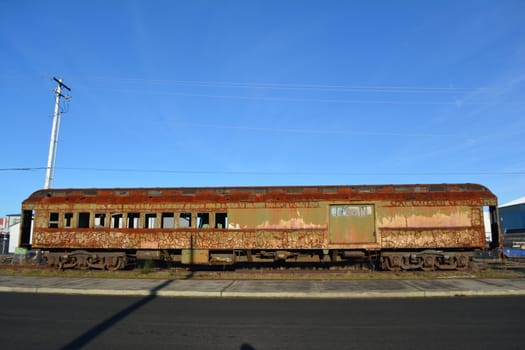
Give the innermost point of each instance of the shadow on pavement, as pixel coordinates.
(94, 332)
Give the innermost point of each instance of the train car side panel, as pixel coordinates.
(181, 239)
(423, 225)
(283, 218)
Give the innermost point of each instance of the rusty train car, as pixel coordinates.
(400, 227)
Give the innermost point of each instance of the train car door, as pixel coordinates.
(26, 228)
(350, 224)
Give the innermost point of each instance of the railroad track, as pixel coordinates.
(300, 271)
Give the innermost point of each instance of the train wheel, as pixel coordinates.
(463, 262)
(391, 263)
(69, 262)
(112, 263)
(429, 262)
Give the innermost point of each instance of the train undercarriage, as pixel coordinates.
(425, 260)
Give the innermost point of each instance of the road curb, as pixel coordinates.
(264, 295)
(266, 289)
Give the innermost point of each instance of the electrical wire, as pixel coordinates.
(272, 173)
(23, 169)
(458, 102)
(284, 86)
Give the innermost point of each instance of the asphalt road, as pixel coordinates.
(31, 321)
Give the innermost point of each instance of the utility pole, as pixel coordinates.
(53, 143)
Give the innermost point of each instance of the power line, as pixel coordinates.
(279, 86)
(274, 173)
(284, 86)
(299, 87)
(278, 173)
(320, 131)
(321, 100)
(23, 169)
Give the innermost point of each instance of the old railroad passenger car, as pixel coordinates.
(401, 227)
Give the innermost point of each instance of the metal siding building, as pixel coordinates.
(512, 216)
(10, 226)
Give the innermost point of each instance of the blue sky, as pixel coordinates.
(235, 93)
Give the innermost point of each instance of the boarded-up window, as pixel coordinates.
(133, 220)
(221, 220)
(185, 220)
(150, 220)
(53, 220)
(116, 220)
(168, 220)
(203, 220)
(100, 220)
(68, 219)
(83, 220)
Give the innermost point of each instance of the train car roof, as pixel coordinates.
(429, 191)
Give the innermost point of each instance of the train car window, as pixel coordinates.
(365, 189)
(476, 188)
(221, 220)
(168, 220)
(329, 189)
(185, 220)
(254, 190)
(403, 189)
(68, 220)
(133, 220)
(150, 220)
(100, 220)
(203, 220)
(53, 220)
(116, 220)
(294, 190)
(83, 220)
